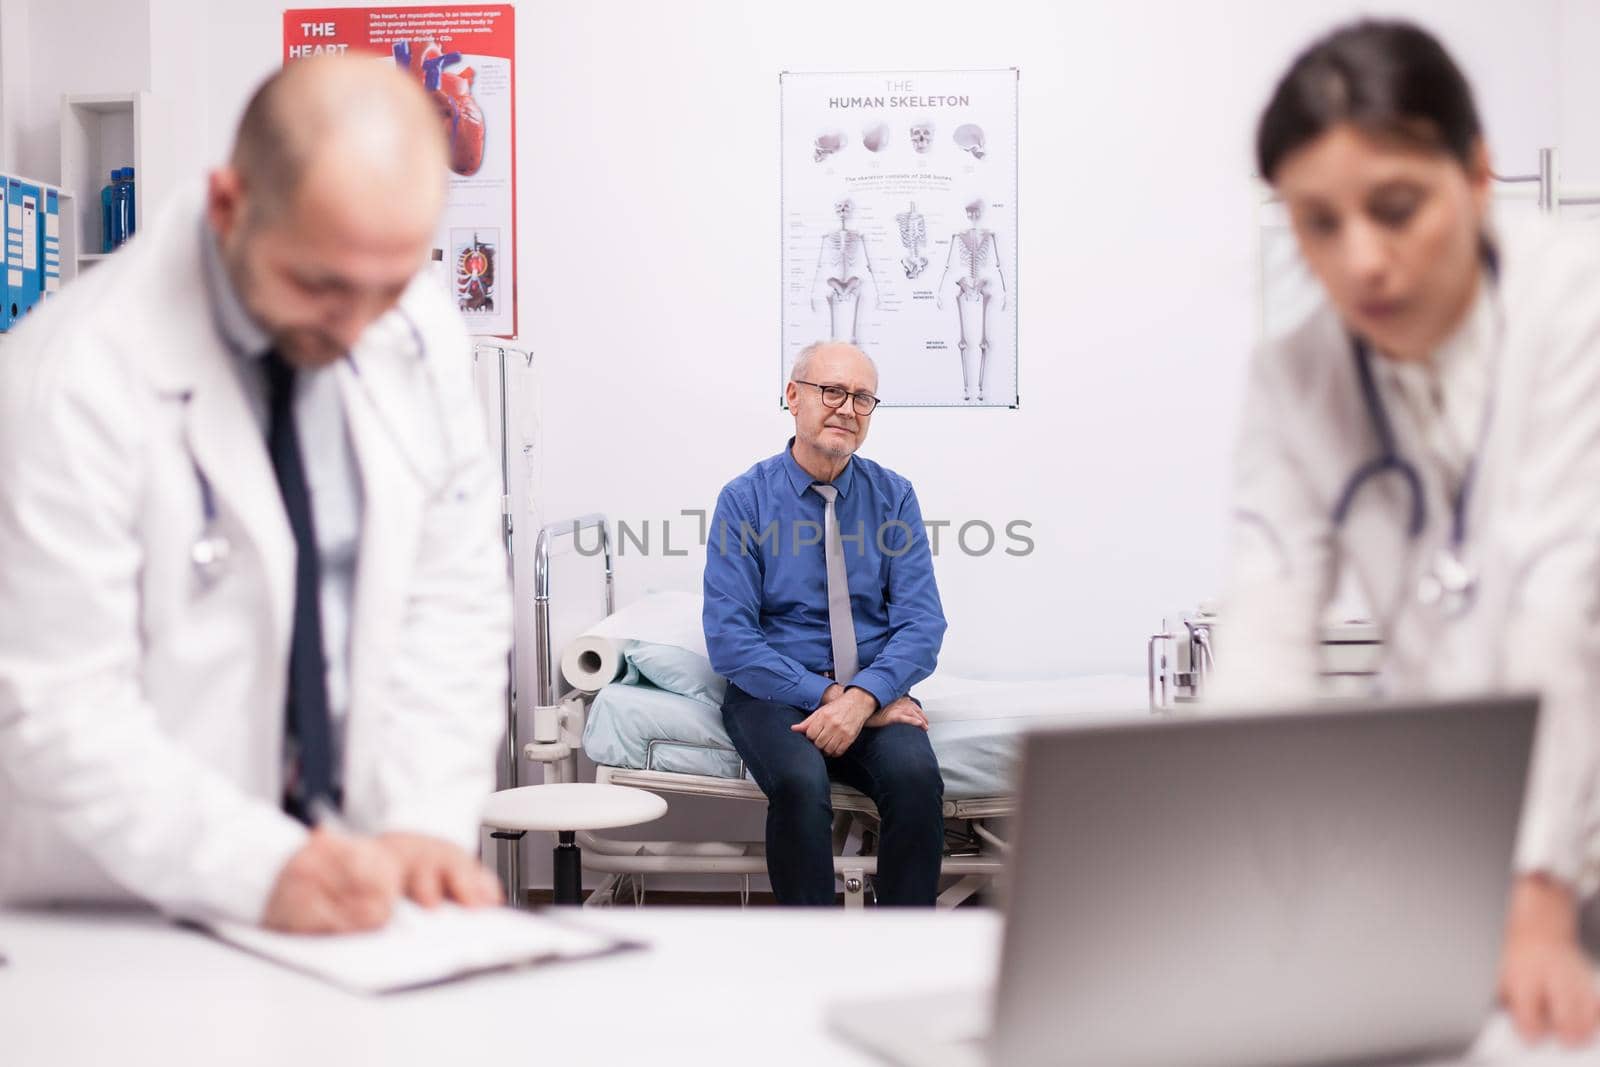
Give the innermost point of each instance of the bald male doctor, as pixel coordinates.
(251, 581)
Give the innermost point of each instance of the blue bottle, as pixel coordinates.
(129, 223)
(108, 213)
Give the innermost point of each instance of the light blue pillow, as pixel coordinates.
(677, 670)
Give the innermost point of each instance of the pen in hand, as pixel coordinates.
(324, 816)
(372, 883)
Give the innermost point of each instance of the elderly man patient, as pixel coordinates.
(822, 612)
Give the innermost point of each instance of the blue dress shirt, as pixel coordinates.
(766, 583)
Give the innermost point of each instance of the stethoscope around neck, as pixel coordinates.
(1449, 584)
(211, 552)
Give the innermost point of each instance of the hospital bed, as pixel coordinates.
(639, 732)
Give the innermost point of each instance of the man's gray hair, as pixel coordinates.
(802, 362)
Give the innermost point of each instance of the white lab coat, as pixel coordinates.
(141, 708)
(1533, 530)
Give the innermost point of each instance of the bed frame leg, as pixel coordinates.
(841, 831)
(855, 886)
(605, 894)
(964, 888)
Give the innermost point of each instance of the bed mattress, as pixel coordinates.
(975, 726)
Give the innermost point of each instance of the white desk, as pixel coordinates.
(717, 986)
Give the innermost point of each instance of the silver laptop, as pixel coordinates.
(1325, 885)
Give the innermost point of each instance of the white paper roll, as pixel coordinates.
(592, 661)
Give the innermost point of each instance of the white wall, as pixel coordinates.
(648, 254)
(1579, 134)
(14, 44)
(72, 46)
(647, 137)
(650, 249)
(649, 246)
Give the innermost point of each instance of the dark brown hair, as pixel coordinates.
(1389, 78)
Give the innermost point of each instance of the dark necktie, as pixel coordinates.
(310, 750)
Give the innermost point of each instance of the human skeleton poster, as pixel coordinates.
(899, 224)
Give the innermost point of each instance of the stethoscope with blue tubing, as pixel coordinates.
(1450, 585)
(212, 550)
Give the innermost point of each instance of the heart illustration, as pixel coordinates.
(451, 92)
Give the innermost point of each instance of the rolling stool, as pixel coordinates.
(563, 808)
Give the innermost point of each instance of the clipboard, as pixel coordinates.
(422, 947)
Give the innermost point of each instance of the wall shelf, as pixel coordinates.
(69, 235)
(100, 132)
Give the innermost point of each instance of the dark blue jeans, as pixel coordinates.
(894, 765)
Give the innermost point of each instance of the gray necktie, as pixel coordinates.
(841, 625)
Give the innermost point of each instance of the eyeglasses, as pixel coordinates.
(834, 396)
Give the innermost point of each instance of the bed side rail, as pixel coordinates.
(545, 661)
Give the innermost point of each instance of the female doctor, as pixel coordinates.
(1432, 433)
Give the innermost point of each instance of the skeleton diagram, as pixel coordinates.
(969, 138)
(975, 260)
(922, 137)
(913, 235)
(837, 276)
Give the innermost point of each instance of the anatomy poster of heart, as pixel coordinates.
(900, 228)
(462, 56)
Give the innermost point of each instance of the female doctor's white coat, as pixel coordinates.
(142, 704)
(1532, 530)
